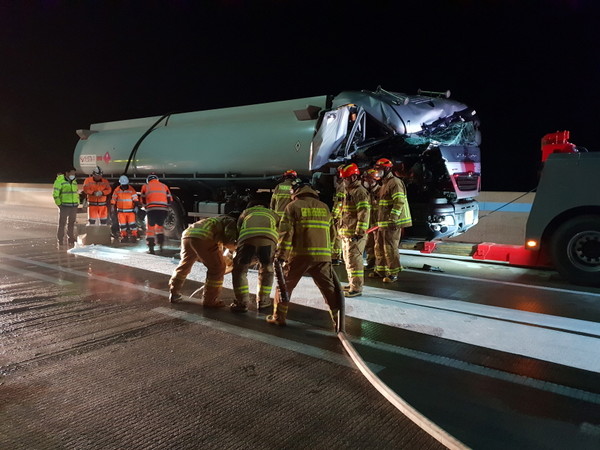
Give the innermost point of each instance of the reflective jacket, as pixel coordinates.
(393, 207)
(156, 195)
(124, 199)
(221, 230)
(65, 191)
(91, 186)
(305, 231)
(258, 221)
(338, 199)
(281, 197)
(356, 211)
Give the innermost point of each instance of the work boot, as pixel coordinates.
(151, 249)
(175, 297)
(238, 307)
(346, 288)
(263, 303)
(215, 304)
(352, 294)
(124, 239)
(279, 315)
(390, 279)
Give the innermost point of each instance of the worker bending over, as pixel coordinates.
(257, 239)
(205, 241)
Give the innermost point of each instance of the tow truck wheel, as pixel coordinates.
(576, 250)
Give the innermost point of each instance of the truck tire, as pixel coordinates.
(174, 223)
(575, 250)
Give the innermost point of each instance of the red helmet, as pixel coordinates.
(349, 170)
(290, 174)
(384, 162)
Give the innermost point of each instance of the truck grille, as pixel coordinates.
(467, 182)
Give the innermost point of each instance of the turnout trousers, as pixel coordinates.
(323, 276)
(208, 253)
(353, 257)
(387, 257)
(252, 251)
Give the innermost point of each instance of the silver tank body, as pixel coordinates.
(247, 141)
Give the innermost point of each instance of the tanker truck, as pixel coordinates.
(214, 160)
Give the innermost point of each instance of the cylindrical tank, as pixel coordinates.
(246, 141)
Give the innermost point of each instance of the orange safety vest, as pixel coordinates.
(125, 199)
(156, 195)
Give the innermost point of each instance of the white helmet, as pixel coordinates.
(97, 171)
(123, 180)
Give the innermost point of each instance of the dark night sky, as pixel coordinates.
(528, 67)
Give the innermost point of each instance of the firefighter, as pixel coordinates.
(372, 186)
(336, 211)
(304, 246)
(393, 214)
(354, 222)
(125, 200)
(156, 197)
(257, 227)
(97, 190)
(205, 241)
(282, 193)
(67, 199)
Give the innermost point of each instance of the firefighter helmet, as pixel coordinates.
(123, 180)
(383, 162)
(97, 171)
(290, 174)
(152, 176)
(349, 170)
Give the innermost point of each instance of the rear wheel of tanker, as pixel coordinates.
(174, 223)
(576, 250)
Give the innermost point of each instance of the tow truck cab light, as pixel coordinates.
(557, 143)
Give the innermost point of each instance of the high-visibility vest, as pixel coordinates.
(91, 186)
(65, 192)
(156, 195)
(124, 199)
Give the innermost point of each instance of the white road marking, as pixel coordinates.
(39, 276)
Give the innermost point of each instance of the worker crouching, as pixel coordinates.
(305, 246)
(257, 239)
(205, 241)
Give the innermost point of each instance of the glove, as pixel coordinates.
(98, 193)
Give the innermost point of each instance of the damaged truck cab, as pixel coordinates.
(433, 142)
(214, 159)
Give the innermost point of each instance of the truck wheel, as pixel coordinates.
(576, 250)
(174, 223)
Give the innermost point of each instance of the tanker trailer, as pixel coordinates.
(214, 159)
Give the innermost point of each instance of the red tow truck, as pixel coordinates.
(563, 227)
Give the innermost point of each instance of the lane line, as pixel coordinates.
(487, 280)
(546, 386)
(36, 275)
(233, 329)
